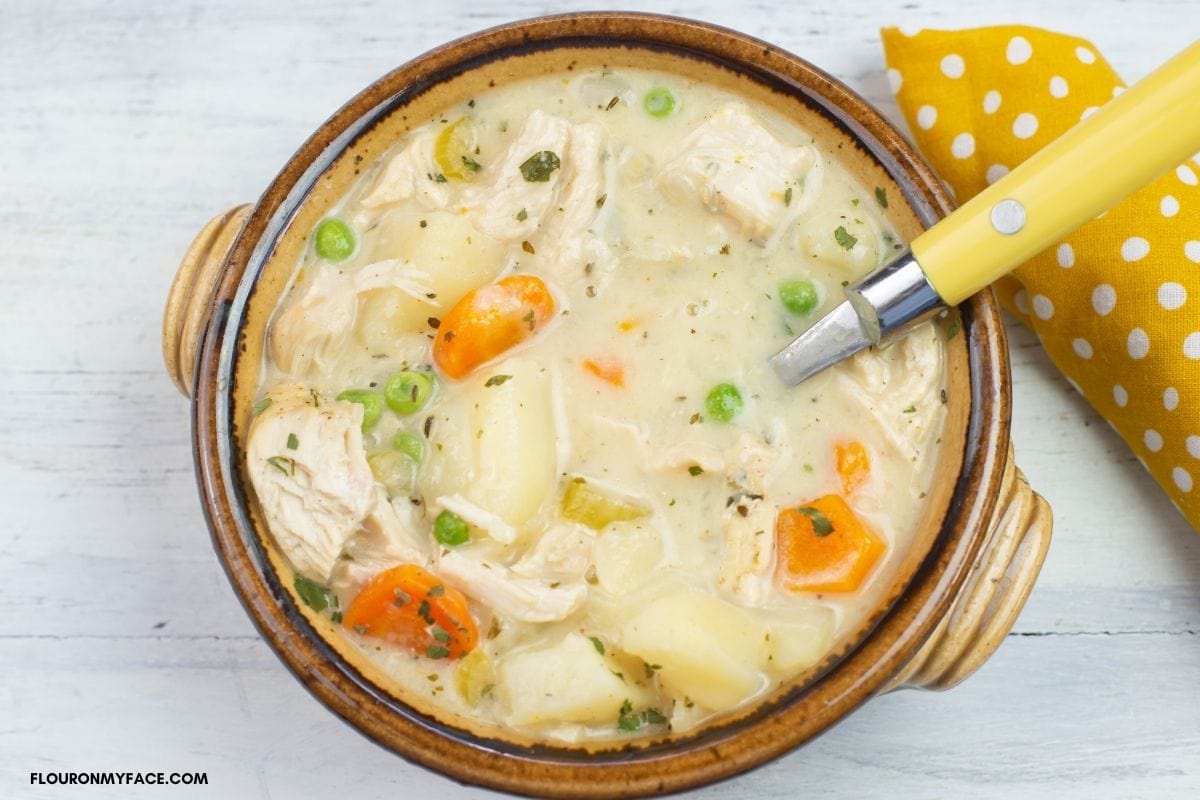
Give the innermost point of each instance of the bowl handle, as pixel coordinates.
(191, 294)
(993, 594)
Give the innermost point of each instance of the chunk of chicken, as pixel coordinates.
(509, 594)
(562, 553)
(310, 474)
(898, 387)
(386, 538)
(749, 522)
(493, 207)
(569, 237)
(735, 166)
(411, 173)
(310, 332)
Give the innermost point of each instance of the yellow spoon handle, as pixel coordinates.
(1129, 142)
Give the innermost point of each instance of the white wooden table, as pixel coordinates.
(125, 125)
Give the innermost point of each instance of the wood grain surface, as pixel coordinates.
(125, 125)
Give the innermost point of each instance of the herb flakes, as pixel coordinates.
(844, 238)
(497, 380)
(881, 197)
(539, 166)
(820, 523)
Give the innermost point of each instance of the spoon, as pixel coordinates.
(1130, 141)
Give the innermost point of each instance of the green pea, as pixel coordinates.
(659, 101)
(799, 297)
(450, 529)
(407, 392)
(410, 445)
(372, 408)
(723, 402)
(334, 240)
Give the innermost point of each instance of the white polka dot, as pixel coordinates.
(1153, 440)
(1025, 125)
(995, 172)
(991, 102)
(895, 79)
(1021, 302)
(1042, 306)
(1019, 50)
(953, 66)
(1192, 251)
(909, 30)
(1066, 255)
(1138, 344)
(1085, 55)
(1117, 90)
(926, 116)
(1191, 346)
(1193, 446)
(1171, 399)
(1182, 478)
(1120, 396)
(1058, 87)
(1104, 299)
(1185, 174)
(1168, 206)
(1087, 112)
(1135, 248)
(963, 145)
(1082, 348)
(1171, 295)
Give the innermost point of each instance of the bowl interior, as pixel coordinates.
(260, 268)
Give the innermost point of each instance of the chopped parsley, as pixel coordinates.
(629, 721)
(596, 643)
(529, 317)
(497, 380)
(314, 595)
(292, 442)
(471, 164)
(844, 238)
(439, 633)
(260, 406)
(285, 465)
(695, 470)
(881, 197)
(539, 166)
(437, 590)
(912, 408)
(423, 612)
(787, 196)
(651, 669)
(820, 523)
(436, 651)
(439, 178)
(522, 215)
(952, 330)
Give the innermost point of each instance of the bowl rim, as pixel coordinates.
(863, 672)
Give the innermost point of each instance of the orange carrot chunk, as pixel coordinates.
(853, 465)
(609, 370)
(824, 547)
(411, 608)
(488, 321)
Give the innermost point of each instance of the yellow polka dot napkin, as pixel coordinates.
(1117, 303)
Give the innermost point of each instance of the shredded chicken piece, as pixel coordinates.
(510, 595)
(310, 332)
(309, 471)
(411, 173)
(480, 517)
(898, 387)
(749, 522)
(563, 552)
(492, 207)
(387, 537)
(735, 166)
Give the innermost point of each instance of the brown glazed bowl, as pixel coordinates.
(955, 595)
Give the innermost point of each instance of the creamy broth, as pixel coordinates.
(651, 518)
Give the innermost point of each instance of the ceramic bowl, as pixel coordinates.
(954, 597)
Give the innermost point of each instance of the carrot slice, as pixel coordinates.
(824, 547)
(411, 608)
(853, 465)
(609, 370)
(490, 320)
